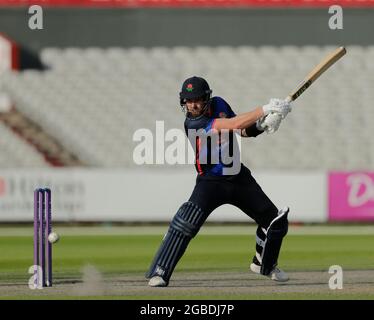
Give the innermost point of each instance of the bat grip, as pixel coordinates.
(288, 99)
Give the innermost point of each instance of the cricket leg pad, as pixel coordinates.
(275, 233)
(184, 226)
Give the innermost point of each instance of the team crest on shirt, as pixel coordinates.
(222, 115)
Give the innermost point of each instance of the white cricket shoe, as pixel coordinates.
(279, 275)
(157, 281)
(276, 275)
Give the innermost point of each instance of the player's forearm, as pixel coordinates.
(241, 121)
(247, 119)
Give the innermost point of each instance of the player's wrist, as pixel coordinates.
(260, 112)
(259, 124)
(265, 109)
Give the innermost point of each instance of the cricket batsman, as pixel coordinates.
(214, 188)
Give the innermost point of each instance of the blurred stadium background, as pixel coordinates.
(73, 94)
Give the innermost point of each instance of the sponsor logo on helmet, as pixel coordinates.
(189, 87)
(222, 115)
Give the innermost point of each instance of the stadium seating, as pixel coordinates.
(92, 100)
(17, 153)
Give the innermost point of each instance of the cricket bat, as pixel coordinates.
(313, 76)
(316, 72)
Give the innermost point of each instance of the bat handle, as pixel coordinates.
(288, 99)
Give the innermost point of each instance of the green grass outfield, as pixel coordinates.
(115, 251)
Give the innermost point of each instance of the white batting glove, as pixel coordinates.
(271, 122)
(280, 106)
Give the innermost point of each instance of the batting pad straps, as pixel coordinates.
(260, 242)
(260, 236)
(188, 219)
